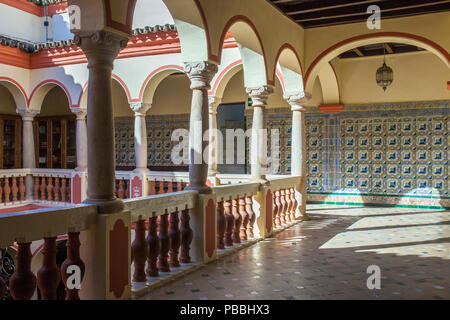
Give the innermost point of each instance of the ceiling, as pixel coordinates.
(318, 13)
(378, 50)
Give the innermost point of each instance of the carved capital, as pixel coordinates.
(140, 108)
(200, 74)
(27, 114)
(79, 112)
(297, 100)
(101, 47)
(213, 102)
(259, 95)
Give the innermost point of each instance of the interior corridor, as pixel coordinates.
(328, 256)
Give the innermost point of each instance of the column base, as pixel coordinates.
(106, 206)
(199, 189)
(141, 170)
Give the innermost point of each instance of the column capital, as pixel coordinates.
(200, 74)
(79, 112)
(101, 47)
(213, 102)
(140, 108)
(259, 95)
(27, 115)
(297, 100)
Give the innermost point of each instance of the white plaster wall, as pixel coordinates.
(19, 24)
(151, 13)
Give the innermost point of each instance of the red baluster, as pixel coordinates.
(153, 187)
(48, 276)
(56, 189)
(154, 247)
(63, 190)
(69, 191)
(163, 235)
(21, 189)
(179, 186)
(127, 190)
(1, 192)
(170, 186)
(7, 190)
(237, 221)
(14, 189)
(161, 187)
(42, 189)
(288, 205)
(49, 189)
(73, 259)
(229, 219)
(251, 216)
(283, 207)
(139, 249)
(23, 282)
(244, 217)
(186, 237)
(221, 225)
(121, 192)
(277, 209)
(36, 188)
(175, 239)
(294, 204)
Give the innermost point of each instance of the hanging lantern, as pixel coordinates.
(385, 75)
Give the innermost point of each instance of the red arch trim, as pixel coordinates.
(151, 75)
(56, 82)
(244, 19)
(14, 82)
(288, 46)
(377, 35)
(280, 77)
(222, 74)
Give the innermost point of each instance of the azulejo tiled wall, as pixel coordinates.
(384, 153)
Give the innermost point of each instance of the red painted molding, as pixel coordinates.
(151, 75)
(14, 57)
(331, 108)
(222, 74)
(287, 46)
(448, 85)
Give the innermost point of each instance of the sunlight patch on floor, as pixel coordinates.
(436, 250)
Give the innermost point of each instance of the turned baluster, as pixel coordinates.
(139, 249)
(153, 187)
(161, 187)
(170, 186)
(277, 209)
(229, 220)
(22, 189)
(36, 188)
(154, 247)
(127, 190)
(69, 191)
(283, 207)
(56, 189)
(251, 216)
(175, 239)
(244, 217)
(294, 204)
(287, 196)
(163, 235)
(63, 190)
(179, 186)
(186, 237)
(7, 190)
(237, 221)
(48, 276)
(49, 189)
(42, 189)
(221, 226)
(121, 192)
(14, 189)
(73, 259)
(1, 192)
(23, 282)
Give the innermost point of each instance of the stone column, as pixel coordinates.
(82, 154)
(200, 74)
(101, 48)
(258, 147)
(213, 142)
(140, 135)
(298, 150)
(28, 152)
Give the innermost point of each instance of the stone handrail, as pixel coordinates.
(157, 205)
(283, 183)
(6, 173)
(54, 173)
(228, 192)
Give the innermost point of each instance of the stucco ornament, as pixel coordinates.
(140, 108)
(259, 95)
(200, 74)
(297, 100)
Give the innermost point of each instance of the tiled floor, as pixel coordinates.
(328, 257)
